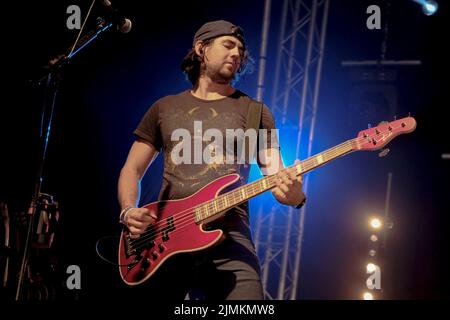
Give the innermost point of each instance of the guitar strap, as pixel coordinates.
(253, 122)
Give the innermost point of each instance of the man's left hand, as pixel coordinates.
(288, 190)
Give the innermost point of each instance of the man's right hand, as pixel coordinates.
(138, 219)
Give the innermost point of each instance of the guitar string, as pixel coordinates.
(184, 218)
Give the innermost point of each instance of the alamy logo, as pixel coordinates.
(240, 145)
(74, 279)
(374, 20)
(374, 280)
(74, 20)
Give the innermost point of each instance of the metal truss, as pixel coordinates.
(278, 231)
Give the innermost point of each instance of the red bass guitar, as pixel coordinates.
(180, 224)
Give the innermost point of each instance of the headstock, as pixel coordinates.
(377, 137)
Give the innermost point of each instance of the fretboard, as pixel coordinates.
(244, 193)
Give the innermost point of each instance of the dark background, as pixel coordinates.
(107, 88)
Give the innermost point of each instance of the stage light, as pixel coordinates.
(372, 253)
(376, 223)
(371, 267)
(373, 238)
(367, 296)
(429, 7)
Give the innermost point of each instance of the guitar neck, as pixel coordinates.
(239, 195)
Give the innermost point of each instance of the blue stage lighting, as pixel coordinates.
(429, 7)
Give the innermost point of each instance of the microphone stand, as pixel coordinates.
(52, 81)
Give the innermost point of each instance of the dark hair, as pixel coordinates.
(191, 64)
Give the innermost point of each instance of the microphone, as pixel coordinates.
(123, 24)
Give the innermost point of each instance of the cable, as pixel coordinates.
(133, 263)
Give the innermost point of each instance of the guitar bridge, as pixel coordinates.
(128, 249)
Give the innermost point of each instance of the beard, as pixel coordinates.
(219, 74)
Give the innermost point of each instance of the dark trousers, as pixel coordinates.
(228, 271)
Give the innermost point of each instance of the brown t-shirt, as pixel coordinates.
(169, 125)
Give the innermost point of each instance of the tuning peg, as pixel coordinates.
(395, 118)
(383, 152)
(369, 126)
(409, 114)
